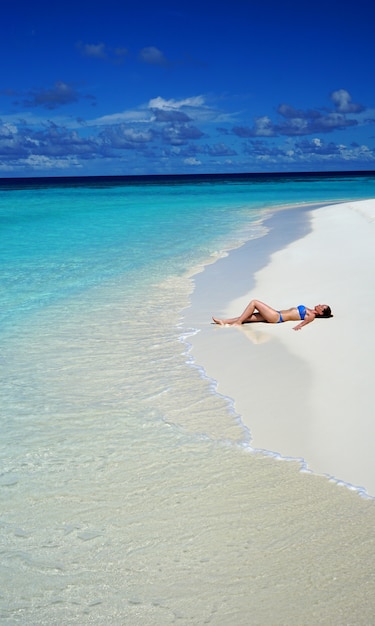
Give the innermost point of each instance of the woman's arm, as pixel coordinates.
(310, 316)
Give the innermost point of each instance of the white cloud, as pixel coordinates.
(153, 56)
(263, 126)
(101, 51)
(161, 103)
(192, 161)
(40, 162)
(8, 130)
(145, 113)
(131, 116)
(195, 107)
(97, 51)
(343, 102)
(132, 135)
(358, 153)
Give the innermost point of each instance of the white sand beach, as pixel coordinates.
(306, 394)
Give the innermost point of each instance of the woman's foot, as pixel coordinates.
(217, 321)
(232, 322)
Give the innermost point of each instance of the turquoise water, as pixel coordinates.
(122, 473)
(60, 240)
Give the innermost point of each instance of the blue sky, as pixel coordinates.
(175, 87)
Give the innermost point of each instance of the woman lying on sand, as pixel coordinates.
(257, 311)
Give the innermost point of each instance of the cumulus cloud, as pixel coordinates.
(159, 111)
(215, 150)
(36, 162)
(219, 149)
(175, 121)
(309, 152)
(60, 94)
(298, 122)
(7, 130)
(101, 51)
(194, 107)
(313, 122)
(183, 130)
(125, 138)
(192, 161)
(50, 141)
(92, 50)
(260, 149)
(343, 102)
(179, 134)
(263, 127)
(152, 56)
(317, 146)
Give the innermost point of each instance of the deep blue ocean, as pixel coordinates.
(100, 473)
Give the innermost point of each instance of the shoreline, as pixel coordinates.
(303, 395)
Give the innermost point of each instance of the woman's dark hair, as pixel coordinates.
(326, 312)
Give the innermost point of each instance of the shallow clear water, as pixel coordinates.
(128, 492)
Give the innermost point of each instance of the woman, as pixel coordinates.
(257, 311)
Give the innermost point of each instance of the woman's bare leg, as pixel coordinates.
(256, 317)
(264, 313)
